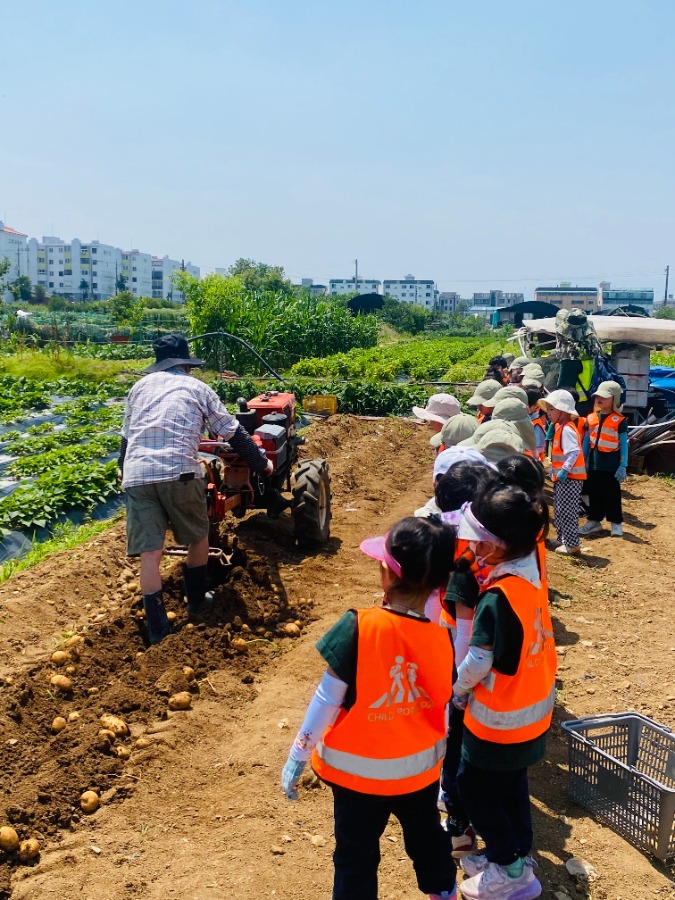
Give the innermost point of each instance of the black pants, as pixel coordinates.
(458, 821)
(604, 496)
(360, 820)
(499, 806)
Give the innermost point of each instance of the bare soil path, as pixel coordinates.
(196, 811)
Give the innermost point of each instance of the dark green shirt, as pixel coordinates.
(496, 625)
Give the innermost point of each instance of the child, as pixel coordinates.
(439, 408)
(605, 446)
(538, 419)
(377, 723)
(484, 391)
(443, 462)
(568, 470)
(507, 685)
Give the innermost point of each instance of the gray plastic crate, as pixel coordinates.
(622, 768)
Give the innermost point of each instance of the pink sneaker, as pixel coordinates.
(446, 895)
(495, 883)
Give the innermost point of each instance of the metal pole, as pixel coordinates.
(665, 295)
(356, 275)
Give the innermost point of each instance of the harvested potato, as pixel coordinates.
(113, 723)
(131, 587)
(9, 839)
(90, 802)
(240, 645)
(73, 716)
(171, 616)
(28, 850)
(61, 682)
(189, 673)
(58, 724)
(142, 743)
(70, 670)
(74, 640)
(123, 752)
(292, 630)
(181, 700)
(107, 735)
(61, 657)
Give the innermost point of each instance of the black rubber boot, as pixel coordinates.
(156, 619)
(276, 503)
(194, 582)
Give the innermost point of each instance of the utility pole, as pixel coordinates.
(665, 295)
(356, 275)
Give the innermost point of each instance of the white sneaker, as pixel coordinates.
(617, 530)
(465, 844)
(564, 550)
(494, 883)
(473, 864)
(591, 527)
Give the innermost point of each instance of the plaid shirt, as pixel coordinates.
(166, 416)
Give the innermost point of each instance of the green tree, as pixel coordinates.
(84, 288)
(5, 265)
(406, 317)
(257, 276)
(39, 294)
(120, 283)
(125, 309)
(21, 289)
(664, 312)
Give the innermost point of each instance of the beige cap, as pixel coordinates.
(496, 440)
(456, 429)
(519, 362)
(485, 391)
(533, 370)
(611, 390)
(510, 391)
(516, 413)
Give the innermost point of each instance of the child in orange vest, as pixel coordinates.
(538, 419)
(507, 686)
(376, 728)
(568, 470)
(605, 447)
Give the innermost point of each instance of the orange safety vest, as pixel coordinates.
(582, 427)
(578, 470)
(482, 417)
(509, 709)
(392, 740)
(605, 436)
(541, 422)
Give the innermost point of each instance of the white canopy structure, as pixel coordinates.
(629, 329)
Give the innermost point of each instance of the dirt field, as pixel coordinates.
(195, 811)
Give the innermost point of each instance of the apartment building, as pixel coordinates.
(564, 296)
(14, 247)
(76, 269)
(137, 272)
(448, 301)
(421, 291)
(163, 270)
(352, 285)
(315, 290)
(611, 300)
(496, 299)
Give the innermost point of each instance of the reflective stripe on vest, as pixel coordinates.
(510, 720)
(578, 470)
(605, 436)
(383, 769)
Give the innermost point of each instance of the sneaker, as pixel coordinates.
(564, 550)
(494, 883)
(591, 527)
(464, 844)
(473, 864)
(446, 895)
(617, 530)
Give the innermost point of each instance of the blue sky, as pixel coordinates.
(485, 144)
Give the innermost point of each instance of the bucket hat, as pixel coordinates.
(484, 391)
(495, 440)
(561, 400)
(511, 390)
(514, 411)
(171, 350)
(439, 408)
(610, 390)
(520, 362)
(448, 458)
(455, 430)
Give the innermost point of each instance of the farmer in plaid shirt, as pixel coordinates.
(167, 413)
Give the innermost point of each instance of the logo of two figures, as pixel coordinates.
(404, 687)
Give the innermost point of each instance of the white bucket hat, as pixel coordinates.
(561, 400)
(439, 408)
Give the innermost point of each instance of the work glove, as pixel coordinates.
(621, 474)
(459, 701)
(290, 777)
(270, 468)
(561, 475)
(550, 431)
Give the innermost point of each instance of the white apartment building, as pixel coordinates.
(137, 272)
(496, 299)
(411, 290)
(352, 285)
(163, 270)
(76, 269)
(14, 247)
(448, 301)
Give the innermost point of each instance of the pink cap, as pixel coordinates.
(376, 547)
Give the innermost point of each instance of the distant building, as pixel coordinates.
(137, 272)
(611, 300)
(352, 286)
(448, 301)
(163, 270)
(13, 246)
(495, 299)
(315, 290)
(564, 296)
(411, 290)
(78, 270)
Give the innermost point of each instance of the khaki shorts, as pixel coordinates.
(152, 508)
